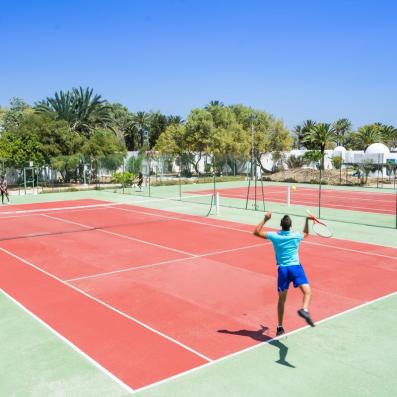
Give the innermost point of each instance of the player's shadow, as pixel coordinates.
(282, 351)
(260, 336)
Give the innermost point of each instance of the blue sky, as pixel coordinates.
(300, 59)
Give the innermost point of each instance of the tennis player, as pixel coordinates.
(286, 245)
(139, 181)
(4, 189)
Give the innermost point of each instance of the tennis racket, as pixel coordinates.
(320, 228)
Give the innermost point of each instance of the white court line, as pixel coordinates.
(36, 211)
(224, 358)
(346, 207)
(59, 211)
(119, 235)
(206, 224)
(165, 262)
(184, 220)
(108, 306)
(69, 343)
(105, 205)
(247, 231)
(351, 250)
(342, 193)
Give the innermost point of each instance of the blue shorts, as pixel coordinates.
(287, 274)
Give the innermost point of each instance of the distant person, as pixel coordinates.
(4, 189)
(139, 181)
(286, 245)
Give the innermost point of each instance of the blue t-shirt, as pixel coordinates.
(286, 244)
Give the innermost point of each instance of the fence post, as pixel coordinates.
(289, 196)
(319, 194)
(395, 192)
(180, 185)
(123, 177)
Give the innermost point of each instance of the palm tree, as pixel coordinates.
(389, 135)
(366, 135)
(342, 129)
(320, 136)
(141, 122)
(215, 104)
(302, 130)
(175, 120)
(157, 124)
(83, 110)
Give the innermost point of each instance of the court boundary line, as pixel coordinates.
(305, 202)
(264, 343)
(206, 224)
(247, 231)
(69, 343)
(351, 249)
(110, 307)
(120, 235)
(115, 206)
(218, 226)
(308, 194)
(104, 205)
(165, 262)
(306, 188)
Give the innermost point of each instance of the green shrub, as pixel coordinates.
(125, 178)
(337, 162)
(317, 181)
(134, 164)
(197, 180)
(186, 173)
(295, 162)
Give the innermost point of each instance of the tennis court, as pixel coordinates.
(374, 202)
(151, 296)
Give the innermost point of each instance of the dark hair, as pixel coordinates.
(286, 223)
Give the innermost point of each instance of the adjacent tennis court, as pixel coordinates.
(149, 294)
(374, 202)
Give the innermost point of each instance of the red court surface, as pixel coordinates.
(382, 203)
(149, 294)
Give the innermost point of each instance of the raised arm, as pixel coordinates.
(259, 228)
(306, 227)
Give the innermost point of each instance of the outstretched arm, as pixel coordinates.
(306, 227)
(259, 228)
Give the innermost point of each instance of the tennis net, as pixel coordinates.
(50, 219)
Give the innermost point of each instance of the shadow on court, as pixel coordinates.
(260, 336)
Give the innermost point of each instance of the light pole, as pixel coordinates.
(253, 163)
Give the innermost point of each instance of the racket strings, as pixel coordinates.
(322, 230)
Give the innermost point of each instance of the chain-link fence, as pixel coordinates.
(362, 193)
(337, 195)
(63, 173)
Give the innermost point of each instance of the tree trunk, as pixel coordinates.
(258, 162)
(322, 158)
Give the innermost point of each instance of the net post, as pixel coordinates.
(180, 185)
(123, 176)
(289, 196)
(24, 179)
(319, 194)
(248, 193)
(395, 192)
(217, 203)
